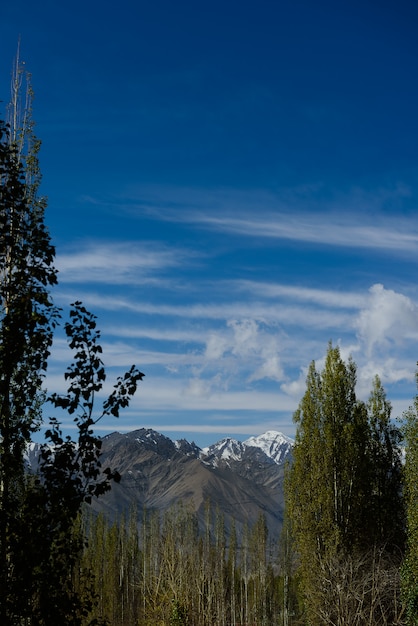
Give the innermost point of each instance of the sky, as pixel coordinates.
(231, 186)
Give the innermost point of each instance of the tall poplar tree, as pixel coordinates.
(386, 505)
(410, 565)
(343, 489)
(27, 321)
(39, 544)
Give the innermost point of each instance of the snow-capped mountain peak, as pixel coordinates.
(274, 444)
(227, 449)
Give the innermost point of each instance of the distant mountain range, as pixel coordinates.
(240, 480)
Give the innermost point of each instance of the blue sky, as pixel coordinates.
(231, 186)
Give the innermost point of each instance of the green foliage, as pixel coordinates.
(386, 506)
(40, 538)
(329, 450)
(27, 315)
(178, 615)
(166, 568)
(344, 488)
(410, 565)
(70, 475)
(74, 465)
(27, 321)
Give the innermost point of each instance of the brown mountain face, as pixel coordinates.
(158, 473)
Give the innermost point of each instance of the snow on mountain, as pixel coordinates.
(274, 444)
(31, 455)
(243, 479)
(239, 481)
(226, 449)
(190, 449)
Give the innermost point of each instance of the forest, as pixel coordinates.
(343, 556)
(167, 570)
(348, 553)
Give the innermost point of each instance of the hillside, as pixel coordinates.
(239, 479)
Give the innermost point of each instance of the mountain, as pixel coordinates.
(275, 445)
(241, 480)
(272, 447)
(260, 460)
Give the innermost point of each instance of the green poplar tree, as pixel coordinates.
(410, 565)
(386, 510)
(27, 321)
(39, 537)
(345, 480)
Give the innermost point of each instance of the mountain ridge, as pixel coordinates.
(240, 480)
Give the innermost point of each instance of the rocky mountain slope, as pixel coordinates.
(239, 479)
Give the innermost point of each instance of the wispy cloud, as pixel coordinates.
(170, 333)
(326, 229)
(117, 263)
(182, 430)
(324, 297)
(306, 214)
(235, 345)
(288, 313)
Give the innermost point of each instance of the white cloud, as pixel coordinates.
(271, 368)
(213, 352)
(293, 215)
(388, 317)
(216, 346)
(297, 387)
(197, 388)
(204, 427)
(323, 297)
(389, 369)
(169, 334)
(287, 313)
(116, 263)
(325, 230)
(243, 346)
(245, 337)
